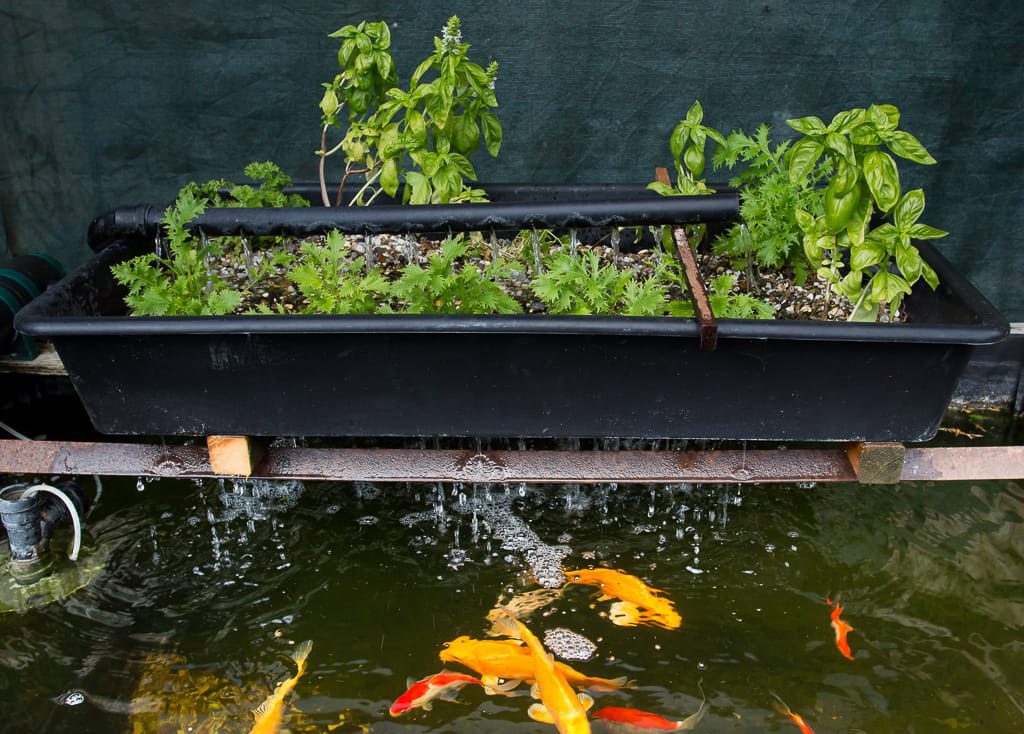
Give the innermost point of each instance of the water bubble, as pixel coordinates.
(569, 645)
(140, 485)
(367, 520)
(331, 509)
(73, 698)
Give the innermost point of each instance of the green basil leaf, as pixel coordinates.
(662, 189)
(698, 136)
(882, 121)
(389, 177)
(924, 232)
(420, 187)
(363, 43)
(812, 249)
(492, 131)
(857, 226)
(909, 209)
(844, 122)
(802, 158)
(716, 136)
(383, 35)
(677, 141)
(808, 125)
(695, 114)
(805, 220)
(883, 179)
(865, 135)
(841, 145)
(907, 146)
(929, 275)
(851, 284)
(383, 63)
(909, 261)
(866, 254)
(886, 286)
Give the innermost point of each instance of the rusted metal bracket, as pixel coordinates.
(708, 338)
(760, 466)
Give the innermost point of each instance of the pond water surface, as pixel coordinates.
(210, 586)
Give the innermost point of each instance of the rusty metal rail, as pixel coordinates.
(439, 465)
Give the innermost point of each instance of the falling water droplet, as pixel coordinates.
(247, 253)
(140, 485)
(615, 245)
(573, 241)
(495, 251)
(158, 244)
(538, 266)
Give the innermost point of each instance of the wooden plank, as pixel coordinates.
(234, 455)
(47, 362)
(877, 463)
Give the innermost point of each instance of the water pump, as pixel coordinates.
(33, 574)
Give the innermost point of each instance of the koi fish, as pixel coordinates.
(269, 714)
(783, 710)
(634, 721)
(421, 693)
(638, 603)
(841, 628)
(510, 660)
(559, 703)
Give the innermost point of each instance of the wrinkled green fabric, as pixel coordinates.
(110, 103)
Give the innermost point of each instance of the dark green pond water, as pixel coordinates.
(210, 585)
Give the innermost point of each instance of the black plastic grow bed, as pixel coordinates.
(408, 375)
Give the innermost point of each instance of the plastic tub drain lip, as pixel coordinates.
(559, 376)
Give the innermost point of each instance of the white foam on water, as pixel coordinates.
(569, 645)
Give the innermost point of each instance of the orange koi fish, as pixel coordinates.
(634, 721)
(421, 693)
(841, 628)
(270, 712)
(559, 703)
(508, 659)
(783, 710)
(639, 603)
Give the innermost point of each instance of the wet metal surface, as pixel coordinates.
(969, 462)
(437, 465)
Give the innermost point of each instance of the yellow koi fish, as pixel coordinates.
(269, 714)
(638, 603)
(560, 704)
(510, 660)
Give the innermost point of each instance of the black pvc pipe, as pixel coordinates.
(143, 221)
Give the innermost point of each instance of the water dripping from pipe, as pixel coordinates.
(573, 242)
(614, 240)
(538, 266)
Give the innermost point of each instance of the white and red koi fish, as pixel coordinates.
(634, 721)
(421, 693)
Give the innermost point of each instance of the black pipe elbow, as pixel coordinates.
(140, 220)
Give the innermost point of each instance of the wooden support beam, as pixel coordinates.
(47, 362)
(877, 463)
(234, 455)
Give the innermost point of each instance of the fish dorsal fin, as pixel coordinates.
(409, 682)
(427, 706)
(586, 700)
(261, 710)
(538, 712)
(535, 690)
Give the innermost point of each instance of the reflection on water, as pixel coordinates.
(211, 585)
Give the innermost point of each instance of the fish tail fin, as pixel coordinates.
(780, 706)
(507, 624)
(609, 685)
(301, 653)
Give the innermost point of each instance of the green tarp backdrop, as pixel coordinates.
(114, 102)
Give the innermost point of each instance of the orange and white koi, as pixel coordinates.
(270, 712)
(421, 693)
(634, 721)
(841, 628)
(510, 660)
(559, 703)
(784, 710)
(638, 603)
